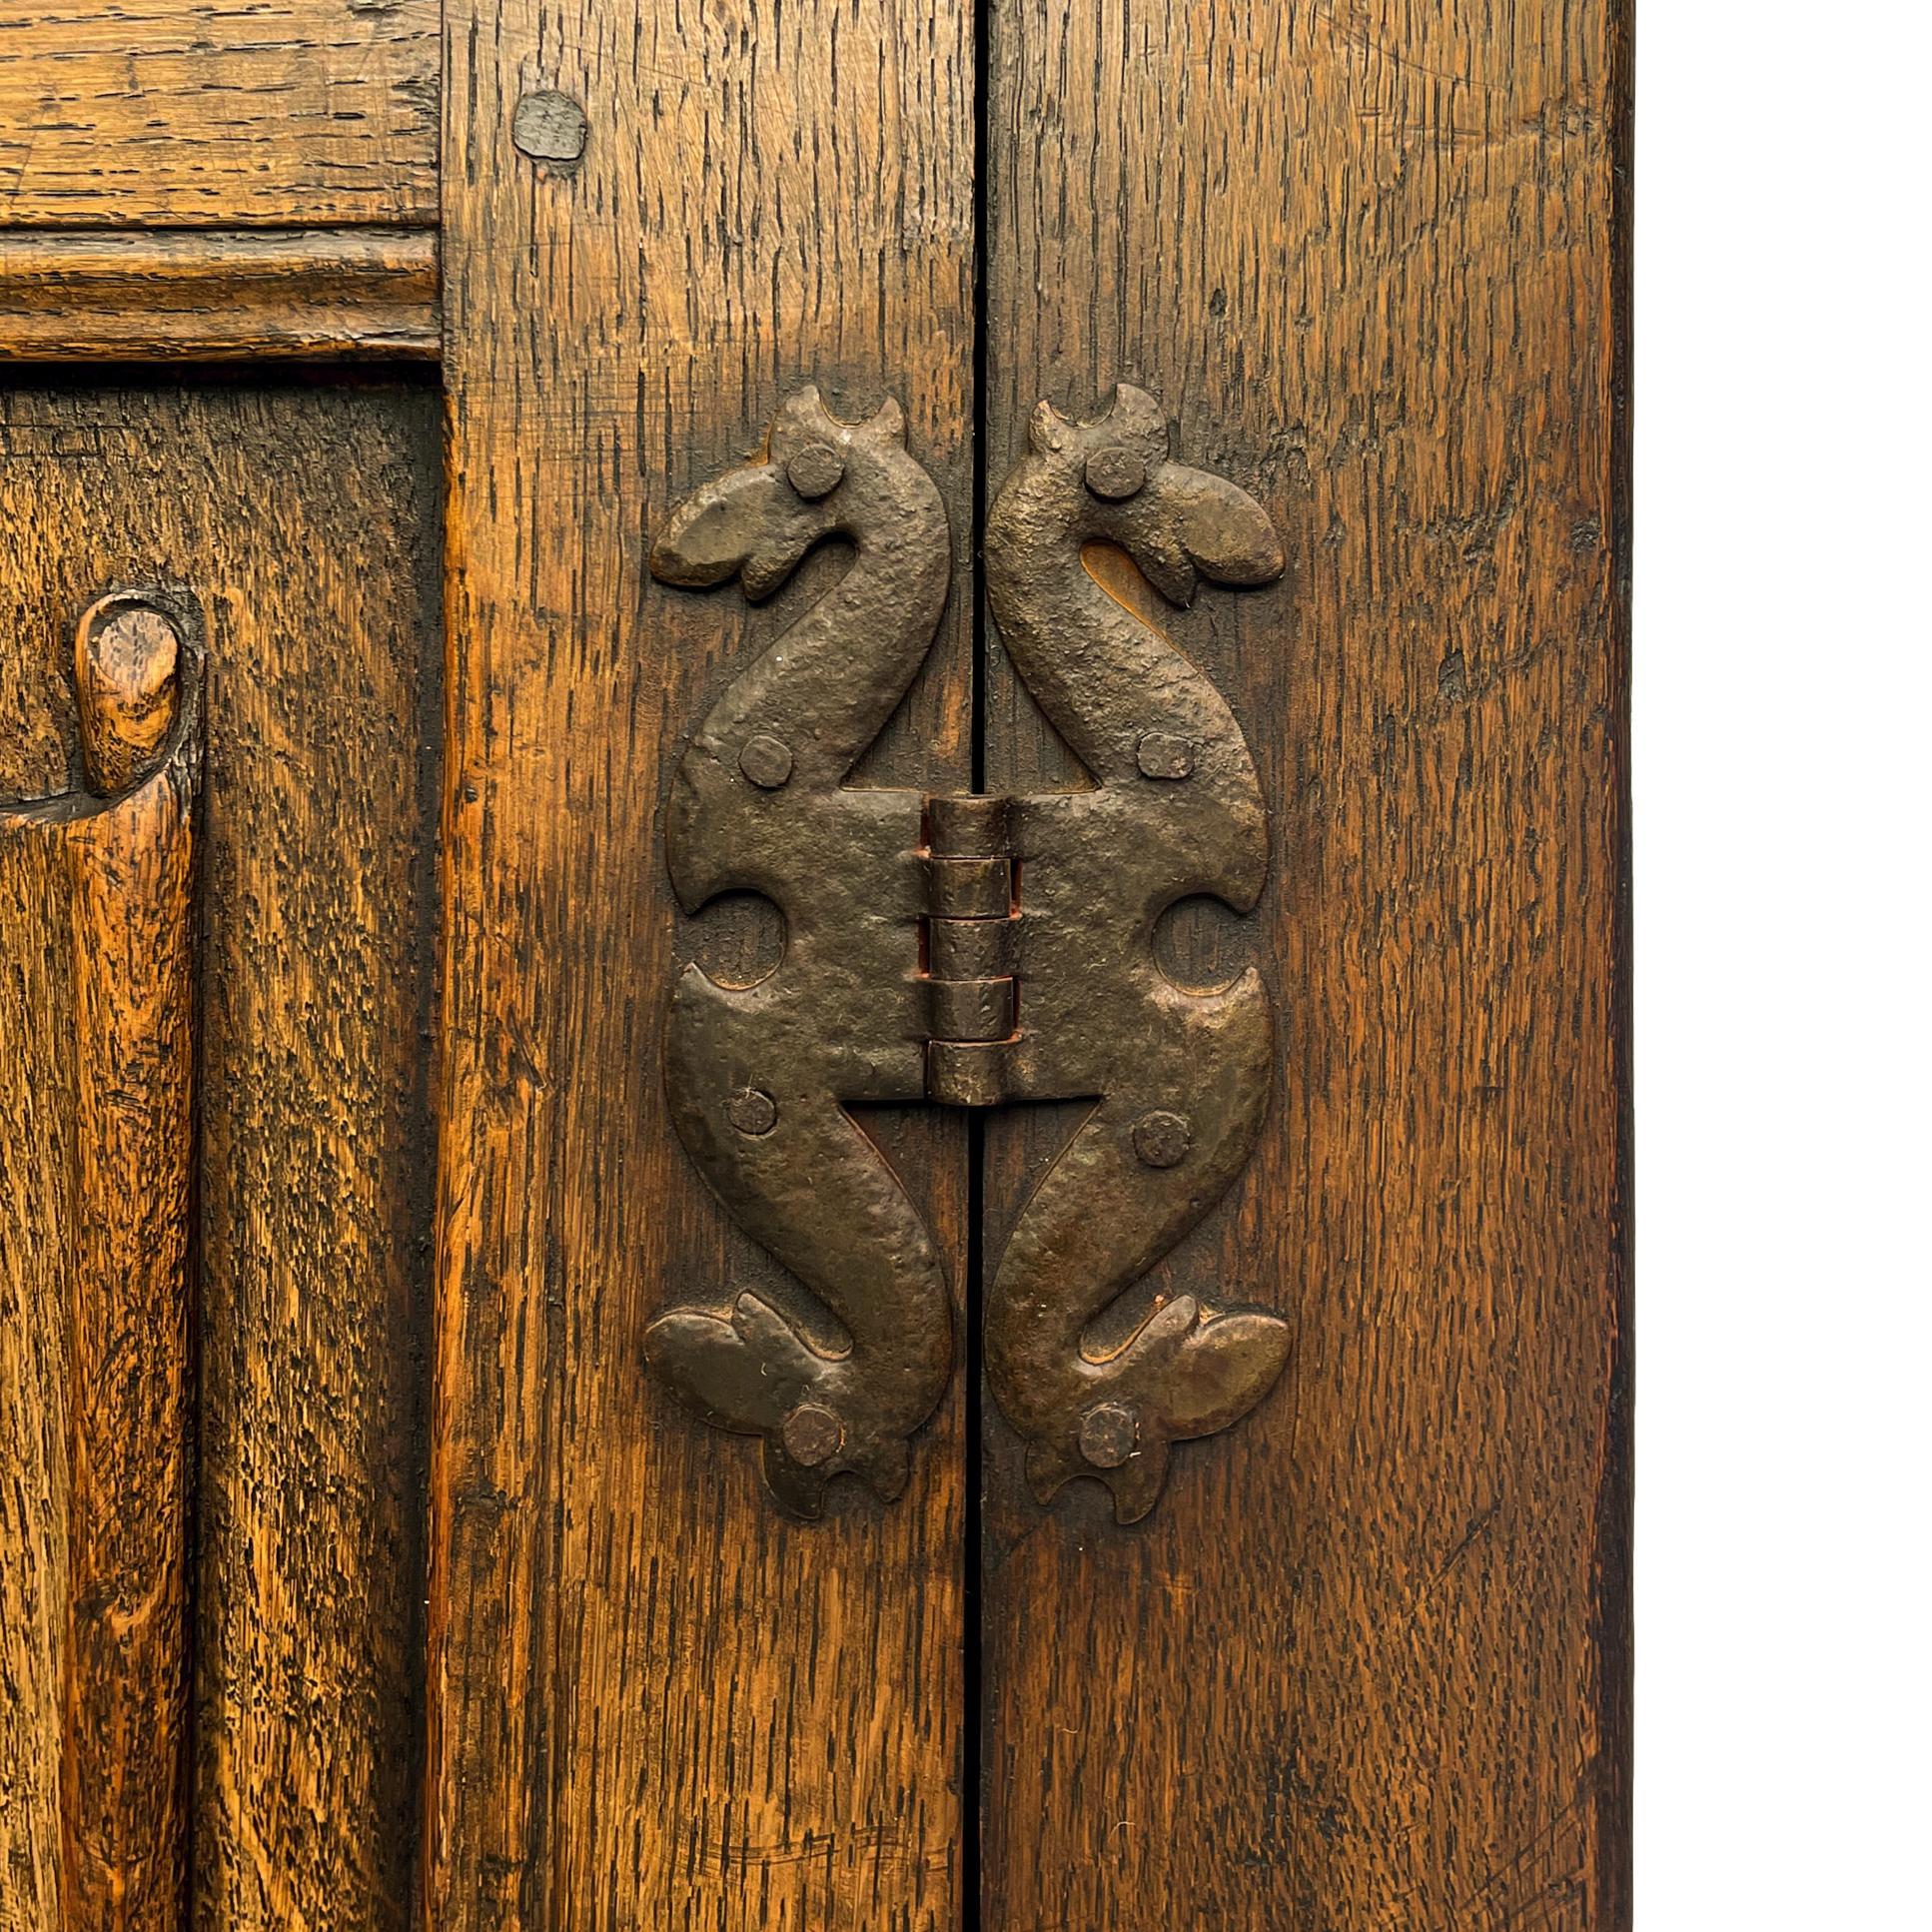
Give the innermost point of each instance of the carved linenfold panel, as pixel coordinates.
(970, 950)
(97, 886)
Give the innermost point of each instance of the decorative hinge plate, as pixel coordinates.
(968, 949)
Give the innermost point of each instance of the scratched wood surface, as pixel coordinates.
(304, 519)
(658, 1703)
(200, 113)
(1366, 1663)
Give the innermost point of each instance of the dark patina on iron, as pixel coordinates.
(759, 1077)
(1036, 979)
(1181, 1080)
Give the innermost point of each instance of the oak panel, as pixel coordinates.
(200, 113)
(303, 519)
(1365, 1662)
(659, 1703)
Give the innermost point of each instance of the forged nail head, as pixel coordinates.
(765, 760)
(751, 1111)
(1161, 1139)
(548, 126)
(1108, 1434)
(815, 470)
(1165, 755)
(1116, 475)
(812, 1435)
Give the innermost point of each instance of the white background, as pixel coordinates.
(1782, 769)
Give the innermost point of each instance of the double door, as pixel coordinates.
(813, 877)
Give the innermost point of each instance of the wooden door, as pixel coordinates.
(419, 419)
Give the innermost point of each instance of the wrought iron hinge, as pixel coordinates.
(971, 950)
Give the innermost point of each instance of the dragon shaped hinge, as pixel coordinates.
(971, 950)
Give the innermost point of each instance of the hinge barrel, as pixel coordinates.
(972, 996)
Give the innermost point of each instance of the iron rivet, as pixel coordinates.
(1108, 1434)
(751, 1111)
(1116, 474)
(765, 760)
(812, 1435)
(815, 470)
(1165, 755)
(548, 126)
(1161, 1139)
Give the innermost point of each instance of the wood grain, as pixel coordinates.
(305, 519)
(177, 113)
(212, 295)
(97, 909)
(125, 1727)
(1366, 1664)
(36, 1296)
(659, 1703)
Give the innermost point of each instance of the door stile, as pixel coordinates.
(656, 1699)
(1366, 1661)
